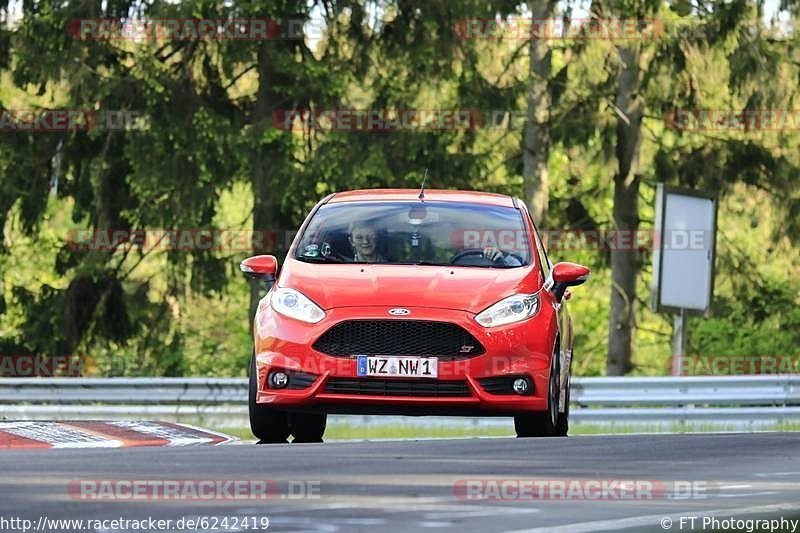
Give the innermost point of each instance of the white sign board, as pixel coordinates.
(683, 258)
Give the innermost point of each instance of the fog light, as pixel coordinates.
(521, 385)
(278, 380)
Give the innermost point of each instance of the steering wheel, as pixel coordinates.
(479, 251)
(515, 256)
(466, 253)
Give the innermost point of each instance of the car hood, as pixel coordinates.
(470, 289)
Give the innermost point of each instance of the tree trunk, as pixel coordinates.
(625, 263)
(536, 137)
(265, 205)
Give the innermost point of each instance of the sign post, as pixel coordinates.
(678, 341)
(683, 259)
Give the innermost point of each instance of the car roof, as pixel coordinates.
(440, 195)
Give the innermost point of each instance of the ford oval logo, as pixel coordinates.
(399, 311)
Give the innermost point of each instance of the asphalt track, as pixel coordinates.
(409, 485)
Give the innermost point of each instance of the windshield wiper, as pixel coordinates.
(421, 262)
(319, 259)
(429, 263)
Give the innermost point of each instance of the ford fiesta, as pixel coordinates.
(412, 303)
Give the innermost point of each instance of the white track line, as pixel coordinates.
(654, 520)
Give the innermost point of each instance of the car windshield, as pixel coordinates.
(413, 232)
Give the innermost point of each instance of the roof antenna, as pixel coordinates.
(422, 189)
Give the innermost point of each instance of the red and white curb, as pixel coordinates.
(103, 434)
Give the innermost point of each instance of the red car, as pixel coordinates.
(409, 302)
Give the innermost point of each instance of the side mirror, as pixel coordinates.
(260, 267)
(566, 275)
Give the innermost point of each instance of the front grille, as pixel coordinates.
(398, 337)
(397, 387)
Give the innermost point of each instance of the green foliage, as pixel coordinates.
(211, 157)
(759, 321)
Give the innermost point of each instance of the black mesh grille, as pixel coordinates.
(398, 337)
(397, 387)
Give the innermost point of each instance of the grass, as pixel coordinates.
(362, 432)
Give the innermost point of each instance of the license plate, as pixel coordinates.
(417, 367)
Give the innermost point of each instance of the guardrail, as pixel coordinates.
(657, 403)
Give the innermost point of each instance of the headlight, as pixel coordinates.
(296, 305)
(509, 310)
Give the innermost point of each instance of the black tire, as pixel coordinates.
(545, 423)
(269, 425)
(308, 427)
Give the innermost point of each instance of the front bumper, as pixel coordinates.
(522, 349)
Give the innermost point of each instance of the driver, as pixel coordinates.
(496, 255)
(364, 240)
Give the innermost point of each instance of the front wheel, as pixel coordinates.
(308, 427)
(546, 423)
(268, 424)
